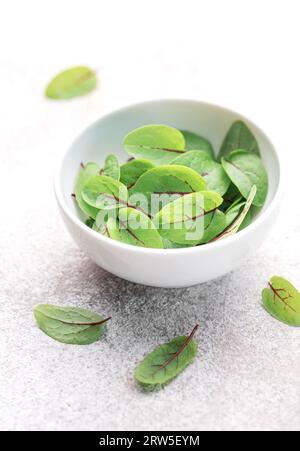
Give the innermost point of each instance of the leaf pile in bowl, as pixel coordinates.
(172, 192)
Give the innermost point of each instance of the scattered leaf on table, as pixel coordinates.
(194, 141)
(103, 192)
(74, 82)
(282, 300)
(111, 167)
(235, 226)
(86, 172)
(166, 362)
(239, 137)
(192, 219)
(245, 170)
(70, 325)
(132, 171)
(211, 171)
(135, 228)
(159, 144)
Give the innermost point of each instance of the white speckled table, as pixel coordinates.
(247, 373)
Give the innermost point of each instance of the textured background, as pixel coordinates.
(246, 376)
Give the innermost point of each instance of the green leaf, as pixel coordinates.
(74, 82)
(231, 196)
(104, 192)
(239, 137)
(100, 224)
(194, 141)
(132, 171)
(212, 172)
(170, 245)
(135, 228)
(282, 300)
(86, 173)
(111, 167)
(69, 324)
(166, 362)
(192, 219)
(234, 210)
(101, 229)
(173, 181)
(246, 170)
(159, 144)
(248, 218)
(235, 226)
(90, 222)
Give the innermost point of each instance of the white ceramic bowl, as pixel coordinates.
(156, 267)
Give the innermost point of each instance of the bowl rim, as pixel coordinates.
(187, 250)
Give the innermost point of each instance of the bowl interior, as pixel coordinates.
(106, 135)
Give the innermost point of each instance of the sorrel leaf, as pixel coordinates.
(90, 222)
(70, 325)
(194, 141)
(211, 171)
(111, 167)
(282, 300)
(135, 228)
(74, 82)
(170, 245)
(86, 172)
(100, 224)
(103, 192)
(132, 171)
(245, 170)
(101, 221)
(235, 226)
(159, 144)
(147, 187)
(101, 229)
(239, 137)
(230, 197)
(171, 180)
(166, 362)
(248, 218)
(233, 211)
(192, 219)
